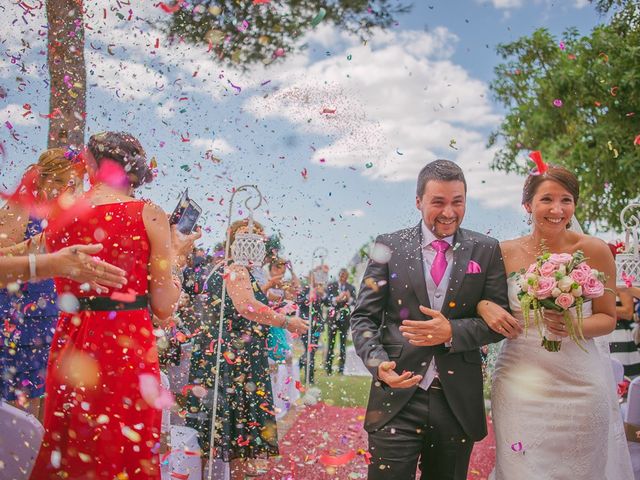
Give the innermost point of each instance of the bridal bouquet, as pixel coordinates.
(558, 281)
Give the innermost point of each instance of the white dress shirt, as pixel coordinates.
(436, 292)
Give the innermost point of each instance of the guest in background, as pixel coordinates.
(282, 289)
(246, 424)
(30, 314)
(311, 301)
(103, 409)
(341, 296)
(621, 340)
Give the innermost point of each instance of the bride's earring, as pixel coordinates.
(529, 220)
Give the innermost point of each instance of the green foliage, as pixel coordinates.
(273, 29)
(596, 77)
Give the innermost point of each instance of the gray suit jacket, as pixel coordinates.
(377, 316)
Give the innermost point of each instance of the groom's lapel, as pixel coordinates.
(462, 249)
(415, 266)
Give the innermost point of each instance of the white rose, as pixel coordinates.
(565, 284)
(562, 269)
(577, 292)
(556, 292)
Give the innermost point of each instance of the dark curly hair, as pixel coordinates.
(124, 149)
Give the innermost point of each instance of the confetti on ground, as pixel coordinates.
(328, 442)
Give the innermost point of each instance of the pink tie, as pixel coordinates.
(439, 265)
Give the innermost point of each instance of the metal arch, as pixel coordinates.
(631, 225)
(634, 220)
(216, 386)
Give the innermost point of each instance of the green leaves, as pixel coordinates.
(244, 33)
(577, 99)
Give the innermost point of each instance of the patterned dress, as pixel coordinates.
(28, 319)
(245, 421)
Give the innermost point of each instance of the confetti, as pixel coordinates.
(319, 17)
(169, 8)
(517, 447)
(336, 461)
(154, 393)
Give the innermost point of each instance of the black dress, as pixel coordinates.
(317, 327)
(245, 423)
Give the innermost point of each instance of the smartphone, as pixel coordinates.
(186, 214)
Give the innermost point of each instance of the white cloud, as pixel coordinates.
(15, 115)
(505, 4)
(580, 3)
(398, 104)
(216, 145)
(354, 213)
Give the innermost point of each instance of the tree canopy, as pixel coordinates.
(246, 32)
(577, 99)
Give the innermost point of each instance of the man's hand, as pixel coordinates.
(387, 374)
(427, 333)
(498, 319)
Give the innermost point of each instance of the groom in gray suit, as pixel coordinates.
(416, 328)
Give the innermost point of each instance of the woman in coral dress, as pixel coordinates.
(101, 421)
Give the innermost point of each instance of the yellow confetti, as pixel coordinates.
(131, 434)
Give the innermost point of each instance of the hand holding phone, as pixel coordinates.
(186, 214)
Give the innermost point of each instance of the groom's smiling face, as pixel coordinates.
(442, 206)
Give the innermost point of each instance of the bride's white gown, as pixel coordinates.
(555, 414)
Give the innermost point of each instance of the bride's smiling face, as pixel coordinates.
(552, 206)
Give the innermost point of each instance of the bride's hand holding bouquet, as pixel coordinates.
(553, 289)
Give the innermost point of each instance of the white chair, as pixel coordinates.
(633, 417)
(166, 412)
(183, 440)
(19, 442)
(618, 371)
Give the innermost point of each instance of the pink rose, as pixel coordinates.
(564, 300)
(592, 288)
(543, 289)
(532, 268)
(560, 258)
(548, 269)
(581, 273)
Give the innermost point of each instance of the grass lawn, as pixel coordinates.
(338, 390)
(343, 390)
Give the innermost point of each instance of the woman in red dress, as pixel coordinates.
(99, 422)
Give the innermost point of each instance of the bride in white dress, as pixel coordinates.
(555, 414)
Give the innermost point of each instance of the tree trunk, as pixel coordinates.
(67, 96)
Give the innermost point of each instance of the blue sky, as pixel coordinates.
(412, 94)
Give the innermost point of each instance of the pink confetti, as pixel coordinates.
(244, 26)
(336, 461)
(169, 9)
(154, 393)
(128, 297)
(517, 447)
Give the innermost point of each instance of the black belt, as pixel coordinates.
(106, 304)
